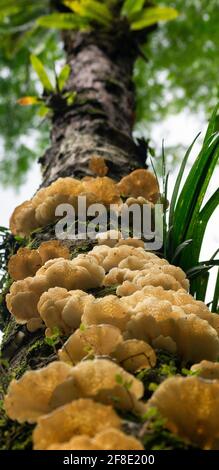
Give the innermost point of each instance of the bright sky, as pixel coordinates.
(180, 130)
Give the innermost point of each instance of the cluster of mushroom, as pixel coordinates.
(40, 210)
(73, 406)
(164, 316)
(110, 340)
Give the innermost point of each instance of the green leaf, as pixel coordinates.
(132, 6)
(153, 15)
(193, 192)
(178, 182)
(92, 10)
(41, 72)
(63, 76)
(70, 97)
(63, 21)
(214, 307)
(202, 222)
(212, 126)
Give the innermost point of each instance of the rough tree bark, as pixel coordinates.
(100, 123)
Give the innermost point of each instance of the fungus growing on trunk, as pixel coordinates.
(29, 397)
(81, 417)
(178, 399)
(108, 310)
(95, 340)
(26, 262)
(195, 339)
(104, 381)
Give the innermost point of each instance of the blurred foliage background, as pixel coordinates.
(179, 71)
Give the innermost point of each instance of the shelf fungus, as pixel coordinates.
(179, 298)
(151, 274)
(79, 273)
(102, 380)
(108, 439)
(63, 309)
(97, 166)
(113, 238)
(178, 398)
(80, 417)
(140, 183)
(207, 370)
(135, 355)
(40, 210)
(95, 340)
(108, 310)
(29, 397)
(154, 320)
(26, 262)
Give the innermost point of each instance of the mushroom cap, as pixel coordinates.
(105, 190)
(139, 183)
(24, 263)
(179, 298)
(108, 439)
(97, 165)
(97, 340)
(98, 379)
(23, 220)
(207, 370)
(109, 238)
(23, 298)
(178, 398)
(135, 355)
(195, 338)
(73, 274)
(29, 397)
(63, 309)
(80, 417)
(53, 249)
(114, 439)
(107, 310)
(117, 254)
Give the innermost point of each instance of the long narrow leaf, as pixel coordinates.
(193, 192)
(179, 180)
(153, 15)
(212, 126)
(41, 72)
(215, 305)
(63, 21)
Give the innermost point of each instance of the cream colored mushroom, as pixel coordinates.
(97, 340)
(24, 263)
(23, 220)
(80, 417)
(178, 399)
(180, 298)
(23, 298)
(75, 274)
(135, 355)
(195, 338)
(207, 370)
(139, 183)
(102, 380)
(109, 439)
(63, 309)
(109, 238)
(107, 310)
(29, 397)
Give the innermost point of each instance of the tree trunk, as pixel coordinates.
(100, 123)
